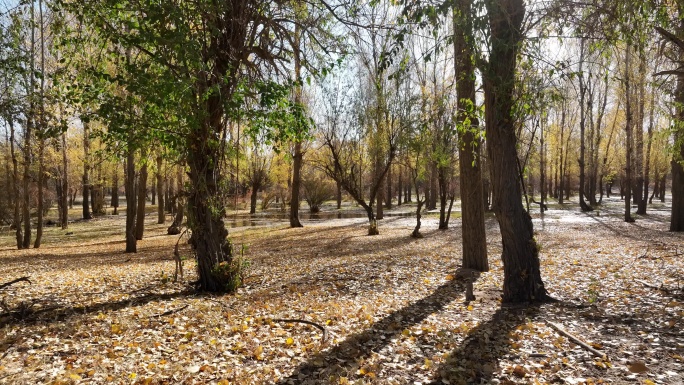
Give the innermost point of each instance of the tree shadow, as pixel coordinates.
(477, 358)
(341, 358)
(47, 310)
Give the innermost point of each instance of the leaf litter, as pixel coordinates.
(392, 309)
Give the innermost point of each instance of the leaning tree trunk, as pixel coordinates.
(520, 255)
(474, 238)
(142, 198)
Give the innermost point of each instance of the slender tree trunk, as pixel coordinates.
(378, 199)
(639, 133)
(179, 203)
(474, 238)
(153, 192)
(115, 189)
(131, 194)
(520, 255)
(388, 200)
(649, 142)
(64, 219)
(161, 217)
(86, 171)
(296, 186)
(561, 180)
(142, 198)
(338, 195)
(253, 199)
(400, 185)
(41, 197)
(583, 205)
(629, 136)
(432, 198)
(16, 218)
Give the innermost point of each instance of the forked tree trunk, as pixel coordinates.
(520, 255)
(474, 238)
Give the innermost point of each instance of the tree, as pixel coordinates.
(522, 276)
(472, 195)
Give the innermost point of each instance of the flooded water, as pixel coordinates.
(275, 217)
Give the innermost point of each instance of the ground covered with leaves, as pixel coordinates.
(326, 304)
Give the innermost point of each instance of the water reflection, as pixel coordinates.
(275, 217)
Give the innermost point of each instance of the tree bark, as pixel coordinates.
(115, 189)
(639, 133)
(583, 205)
(296, 185)
(627, 183)
(161, 217)
(85, 192)
(522, 276)
(64, 219)
(338, 195)
(142, 199)
(472, 195)
(677, 163)
(131, 241)
(41, 198)
(16, 218)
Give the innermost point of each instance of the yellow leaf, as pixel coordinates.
(259, 353)
(116, 329)
(406, 333)
(223, 382)
(470, 307)
(132, 376)
(449, 277)
(649, 382)
(75, 377)
(289, 341)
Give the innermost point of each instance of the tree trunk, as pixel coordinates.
(161, 217)
(296, 184)
(639, 133)
(179, 203)
(629, 137)
(520, 255)
(583, 89)
(400, 185)
(474, 238)
(64, 219)
(16, 218)
(142, 198)
(41, 198)
(131, 241)
(388, 181)
(153, 192)
(649, 142)
(432, 196)
(338, 195)
(378, 201)
(115, 189)
(85, 192)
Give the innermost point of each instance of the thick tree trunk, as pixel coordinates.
(161, 217)
(522, 276)
(472, 193)
(142, 198)
(131, 241)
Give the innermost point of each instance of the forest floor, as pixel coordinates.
(392, 307)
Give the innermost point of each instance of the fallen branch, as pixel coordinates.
(12, 282)
(169, 312)
(654, 287)
(577, 340)
(321, 328)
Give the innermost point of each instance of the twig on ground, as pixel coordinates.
(319, 327)
(577, 340)
(12, 282)
(169, 312)
(652, 286)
